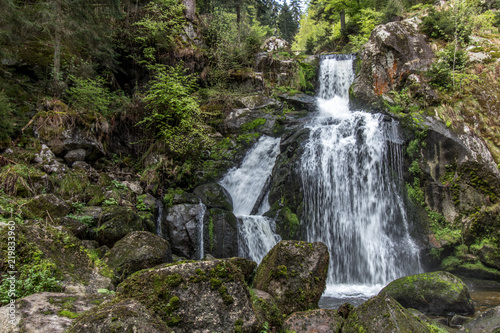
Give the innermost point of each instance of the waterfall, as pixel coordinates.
(199, 219)
(159, 217)
(352, 179)
(247, 186)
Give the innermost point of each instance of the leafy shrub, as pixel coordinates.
(175, 115)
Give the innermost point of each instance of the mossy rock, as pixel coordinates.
(194, 296)
(124, 316)
(214, 195)
(383, 313)
(53, 250)
(247, 267)
(220, 235)
(436, 293)
(114, 224)
(266, 310)
(294, 273)
(314, 321)
(138, 250)
(45, 205)
(49, 312)
(488, 321)
(490, 256)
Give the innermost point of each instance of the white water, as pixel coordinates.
(246, 184)
(199, 219)
(352, 180)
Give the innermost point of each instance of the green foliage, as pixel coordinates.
(415, 192)
(307, 75)
(69, 314)
(175, 116)
(415, 168)
(118, 185)
(90, 95)
(110, 202)
(211, 232)
(447, 24)
(31, 279)
(366, 22)
(88, 220)
(157, 29)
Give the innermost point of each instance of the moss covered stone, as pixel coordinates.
(115, 223)
(194, 296)
(220, 233)
(214, 195)
(123, 316)
(383, 314)
(45, 205)
(294, 273)
(266, 309)
(436, 293)
(138, 250)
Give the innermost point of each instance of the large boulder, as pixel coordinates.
(204, 296)
(394, 51)
(294, 273)
(214, 195)
(115, 223)
(315, 321)
(138, 250)
(220, 236)
(384, 314)
(488, 321)
(45, 205)
(182, 227)
(125, 316)
(47, 312)
(436, 293)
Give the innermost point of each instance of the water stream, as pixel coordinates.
(352, 180)
(246, 185)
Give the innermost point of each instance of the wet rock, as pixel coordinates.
(457, 321)
(48, 312)
(75, 155)
(114, 223)
(125, 316)
(314, 321)
(488, 321)
(45, 205)
(182, 228)
(383, 314)
(220, 233)
(294, 273)
(286, 193)
(394, 51)
(436, 293)
(138, 250)
(214, 195)
(204, 296)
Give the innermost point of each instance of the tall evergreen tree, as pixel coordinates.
(287, 23)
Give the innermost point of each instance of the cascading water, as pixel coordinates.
(351, 173)
(246, 185)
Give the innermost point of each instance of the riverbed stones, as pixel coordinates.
(488, 321)
(138, 250)
(436, 293)
(294, 273)
(191, 297)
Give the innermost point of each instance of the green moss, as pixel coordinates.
(69, 314)
(211, 232)
(253, 125)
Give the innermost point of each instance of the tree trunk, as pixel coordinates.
(190, 9)
(57, 48)
(342, 20)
